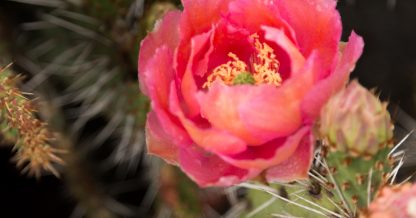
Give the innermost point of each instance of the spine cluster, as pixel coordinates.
(20, 125)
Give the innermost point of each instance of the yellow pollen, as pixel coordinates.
(264, 67)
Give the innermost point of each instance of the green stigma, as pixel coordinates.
(244, 78)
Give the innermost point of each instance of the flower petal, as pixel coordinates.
(158, 142)
(165, 33)
(158, 75)
(201, 48)
(317, 25)
(172, 126)
(198, 17)
(269, 154)
(252, 14)
(258, 114)
(209, 170)
(277, 36)
(297, 166)
(211, 139)
(321, 92)
(229, 38)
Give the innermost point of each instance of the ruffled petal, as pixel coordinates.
(198, 17)
(209, 170)
(229, 38)
(258, 114)
(201, 48)
(172, 126)
(268, 154)
(165, 33)
(322, 91)
(297, 166)
(296, 59)
(211, 139)
(158, 75)
(158, 142)
(317, 25)
(252, 14)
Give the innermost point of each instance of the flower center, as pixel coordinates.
(264, 68)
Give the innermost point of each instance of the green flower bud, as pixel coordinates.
(355, 121)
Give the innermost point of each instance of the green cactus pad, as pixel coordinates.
(359, 177)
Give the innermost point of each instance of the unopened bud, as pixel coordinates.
(355, 121)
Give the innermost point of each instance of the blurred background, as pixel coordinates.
(79, 59)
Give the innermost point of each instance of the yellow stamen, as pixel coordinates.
(226, 72)
(264, 67)
(265, 64)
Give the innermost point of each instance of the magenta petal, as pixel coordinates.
(165, 33)
(258, 114)
(279, 37)
(276, 112)
(197, 18)
(229, 38)
(317, 25)
(322, 91)
(220, 106)
(172, 126)
(209, 170)
(199, 15)
(201, 48)
(158, 75)
(211, 139)
(158, 142)
(297, 166)
(268, 154)
(252, 14)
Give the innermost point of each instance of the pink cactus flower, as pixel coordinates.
(235, 85)
(394, 202)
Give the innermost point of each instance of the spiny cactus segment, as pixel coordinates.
(353, 161)
(21, 127)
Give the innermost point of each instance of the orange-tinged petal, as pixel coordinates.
(198, 17)
(165, 33)
(268, 154)
(252, 14)
(297, 166)
(209, 138)
(158, 142)
(296, 59)
(258, 114)
(323, 90)
(157, 76)
(210, 170)
(317, 26)
(201, 48)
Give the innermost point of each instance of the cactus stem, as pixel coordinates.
(318, 206)
(272, 192)
(369, 191)
(338, 190)
(261, 207)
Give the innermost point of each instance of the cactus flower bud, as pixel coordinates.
(355, 121)
(392, 202)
